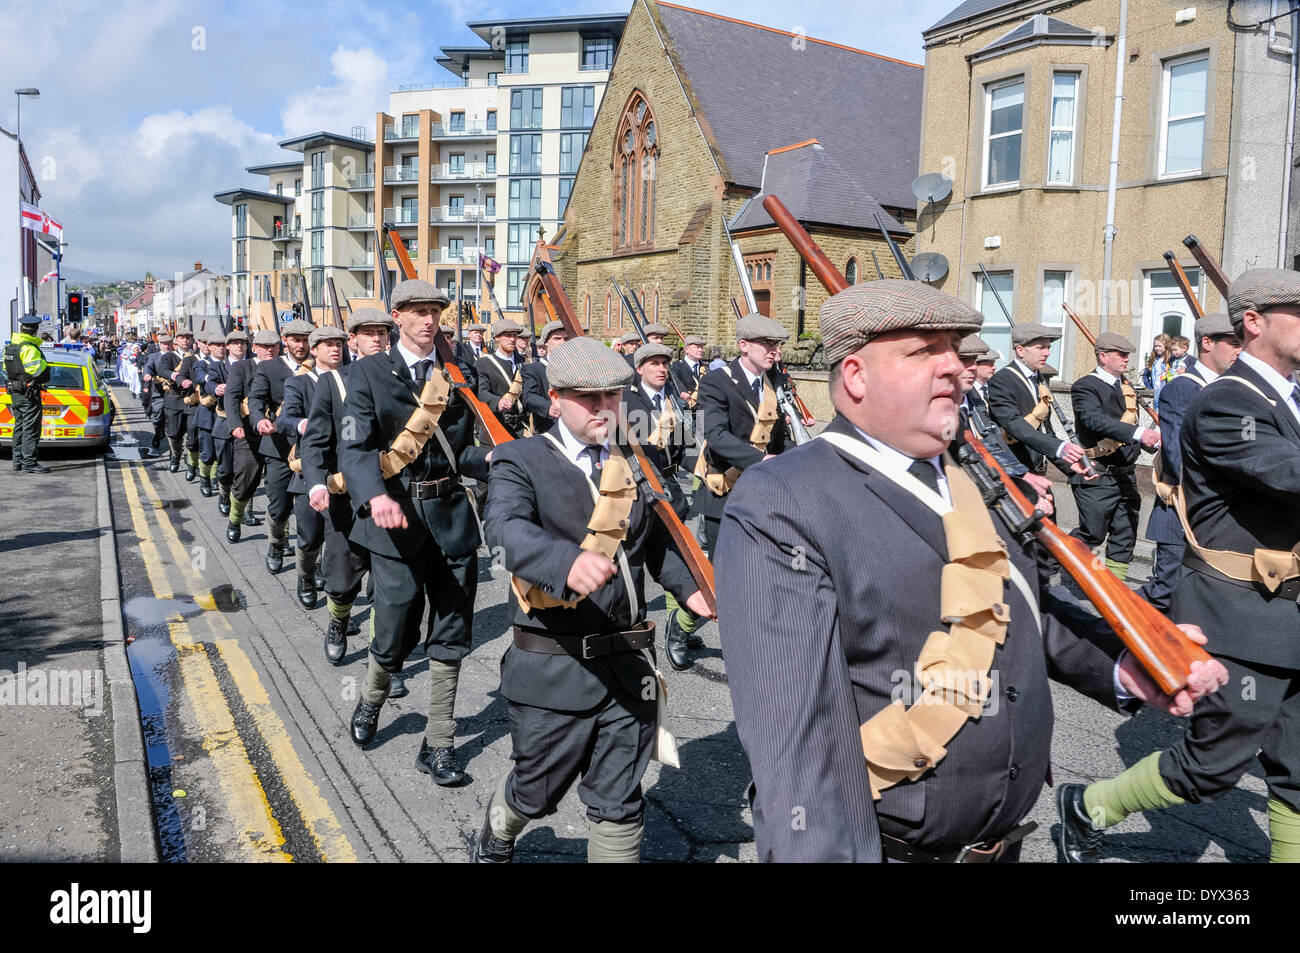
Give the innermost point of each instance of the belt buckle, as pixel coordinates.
(586, 647)
(994, 848)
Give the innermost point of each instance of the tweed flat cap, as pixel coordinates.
(1113, 341)
(630, 338)
(972, 345)
(991, 356)
(755, 327)
(1260, 289)
(414, 291)
(864, 311)
(1030, 331)
(266, 337)
(184, 333)
(656, 329)
(298, 326)
(363, 317)
(1213, 325)
(326, 334)
(162, 338)
(237, 335)
(549, 328)
(584, 364)
(504, 327)
(482, 328)
(525, 332)
(448, 330)
(646, 351)
(694, 339)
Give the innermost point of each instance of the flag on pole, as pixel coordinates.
(40, 221)
(488, 265)
(53, 273)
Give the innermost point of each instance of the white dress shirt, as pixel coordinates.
(1034, 379)
(896, 462)
(575, 451)
(1285, 386)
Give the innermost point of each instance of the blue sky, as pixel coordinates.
(148, 108)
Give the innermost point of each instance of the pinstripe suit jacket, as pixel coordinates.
(821, 627)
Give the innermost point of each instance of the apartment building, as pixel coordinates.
(1022, 117)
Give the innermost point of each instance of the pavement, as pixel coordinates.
(246, 750)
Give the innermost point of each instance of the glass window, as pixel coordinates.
(455, 248)
(456, 205)
(241, 221)
(491, 163)
(597, 53)
(515, 279)
(1003, 125)
(317, 249)
(526, 155)
(491, 203)
(410, 126)
(492, 78)
(457, 122)
(297, 186)
(517, 56)
(996, 331)
(851, 271)
(1060, 147)
(241, 256)
(526, 109)
(566, 189)
(571, 146)
(456, 163)
(490, 247)
(525, 198)
(1050, 312)
(521, 239)
(1183, 133)
(279, 188)
(492, 120)
(577, 106)
(318, 170)
(318, 209)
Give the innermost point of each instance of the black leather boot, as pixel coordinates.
(365, 720)
(488, 848)
(1078, 839)
(675, 645)
(440, 764)
(223, 502)
(274, 557)
(306, 592)
(205, 486)
(336, 641)
(232, 532)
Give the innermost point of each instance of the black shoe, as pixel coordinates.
(306, 592)
(274, 558)
(336, 641)
(232, 532)
(18, 468)
(223, 504)
(205, 486)
(693, 641)
(440, 764)
(1078, 840)
(318, 580)
(397, 685)
(488, 848)
(191, 472)
(251, 520)
(675, 645)
(365, 719)
(35, 468)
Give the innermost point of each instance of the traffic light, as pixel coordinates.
(75, 304)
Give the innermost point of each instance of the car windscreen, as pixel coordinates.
(62, 377)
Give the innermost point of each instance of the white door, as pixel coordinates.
(1165, 310)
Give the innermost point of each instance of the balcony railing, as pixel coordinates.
(412, 248)
(466, 213)
(362, 261)
(466, 256)
(401, 216)
(464, 129)
(364, 180)
(402, 131)
(401, 173)
(470, 170)
(286, 232)
(453, 84)
(362, 221)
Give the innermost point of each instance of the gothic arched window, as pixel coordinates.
(636, 157)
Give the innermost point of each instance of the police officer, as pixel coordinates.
(575, 679)
(265, 397)
(246, 459)
(1239, 502)
(344, 562)
(497, 373)
(1019, 399)
(26, 371)
(537, 390)
(829, 568)
(1106, 418)
(414, 516)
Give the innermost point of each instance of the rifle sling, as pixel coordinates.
(720, 482)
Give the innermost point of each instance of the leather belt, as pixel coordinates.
(985, 852)
(587, 646)
(433, 489)
(1289, 589)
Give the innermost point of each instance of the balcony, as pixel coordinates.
(466, 213)
(473, 130)
(365, 180)
(396, 132)
(412, 249)
(470, 171)
(467, 256)
(397, 174)
(286, 233)
(453, 84)
(362, 221)
(366, 260)
(401, 216)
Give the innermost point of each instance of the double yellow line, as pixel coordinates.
(260, 834)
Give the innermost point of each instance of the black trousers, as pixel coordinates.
(711, 527)
(175, 423)
(608, 746)
(1108, 510)
(1168, 569)
(1257, 711)
(403, 586)
(278, 504)
(207, 446)
(308, 525)
(192, 429)
(224, 448)
(26, 408)
(247, 469)
(344, 562)
(159, 423)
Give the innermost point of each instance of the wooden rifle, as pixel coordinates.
(335, 310)
(492, 428)
(639, 322)
(1208, 265)
(1184, 285)
(1092, 339)
(1159, 646)
(556, 300)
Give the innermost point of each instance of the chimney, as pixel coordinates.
(148, 286)
(198, 266)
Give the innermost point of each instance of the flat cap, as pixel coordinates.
(448, 330)
(630, 338)
(972, 345)
(504, 327)
(1213, 325)
(525, 331)
(326, 334)
(164, 339)
(549, 328)
(1031, 331)
(478, 327)
(362, 317)
(298, 326)
(755, 327)
(184, 333)
(1113, 341)
(415, 291)
(237, 335)
(991, 355)
(656, 328)
(266, 338)
(646, 351)
(1260, 289)
(215, 337)
(584, 364)
(864, 311)
(694, 339)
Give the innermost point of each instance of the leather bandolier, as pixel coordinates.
(1109, 445)
(720, 482)
(306, 367)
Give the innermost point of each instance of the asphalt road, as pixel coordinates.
(246, 722)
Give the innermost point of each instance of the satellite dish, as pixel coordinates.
(930, 266)
(932, 187)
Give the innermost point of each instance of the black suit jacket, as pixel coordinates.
(682, 377)
(537, 398)
(1163, 525)
(491, 388)
(1010, 399)
(1241, 481)
(265, 395)
(214, 373)
(1097, 410)
(298, 393)
(238, 377)
(641, 421)
(813, 653)
(381, 398)
(537, 512)
(726, 421)
(318, 447)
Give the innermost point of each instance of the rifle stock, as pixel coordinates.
(1208, 265)
(1185, 286)
(1092, 340)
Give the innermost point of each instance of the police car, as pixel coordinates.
(75, 405)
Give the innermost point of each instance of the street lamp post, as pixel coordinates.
(20, 93)
(18, 132)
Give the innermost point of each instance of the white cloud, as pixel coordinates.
(360, 91)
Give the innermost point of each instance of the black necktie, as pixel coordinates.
(593, 451)
(758, 389)
(421, 370)
(659, 404)
(924, 471)
(1295, 395)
